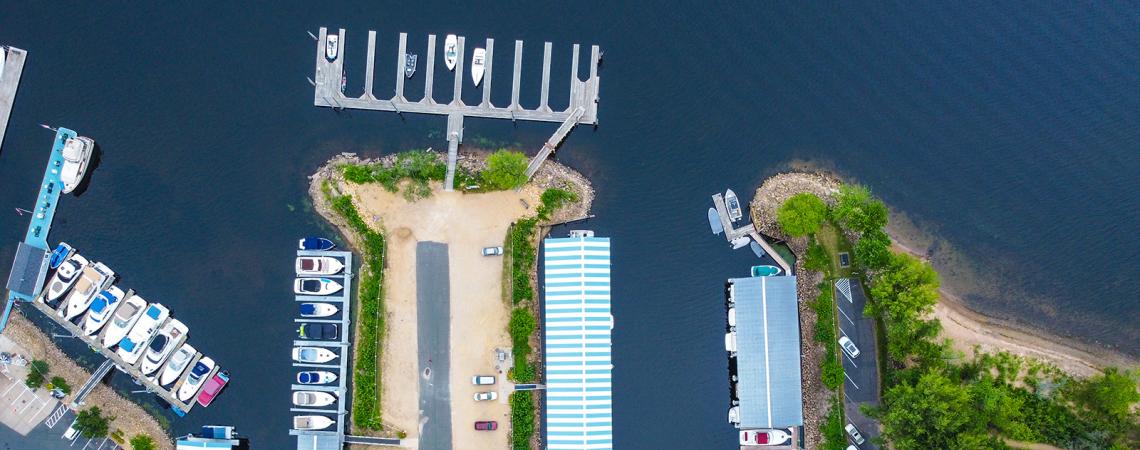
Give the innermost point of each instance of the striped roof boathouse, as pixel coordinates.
(577, 325)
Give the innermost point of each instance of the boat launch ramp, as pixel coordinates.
(330, 80)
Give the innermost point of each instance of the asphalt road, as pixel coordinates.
(433, 306)
(862, 373)
(44, 438)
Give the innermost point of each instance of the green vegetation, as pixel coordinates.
(417, 166)
(857, 210)
(91, 423)
(825, 326)
(37, 372)
(522, 254)
(802, 214)
(522, 419)
(370, 317)
(552, 200)
(57, 382)
(834, 438)
(522, 326)
(142, 442)
(505, 170)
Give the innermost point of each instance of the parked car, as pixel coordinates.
(486, 425)
(482, 380)
(854, 433)
(483, 396)
(71, 432)
(492, 251)
(852, 447)
(849, 347)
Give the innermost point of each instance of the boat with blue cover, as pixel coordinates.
(315, 377)
(714, 221)
(60, 254)
(317, 310)
(101, 309)
(315, 243)
(131, 347)
(765, 271)
(759, 251)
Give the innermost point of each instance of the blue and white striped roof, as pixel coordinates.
(577, 321)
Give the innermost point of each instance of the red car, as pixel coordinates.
(212, 387)
(486, 425)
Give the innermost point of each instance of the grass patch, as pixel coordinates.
(418, 167)
(522, 326)
(834, 438)
(366, 371)
(833, 242)
(522, 419)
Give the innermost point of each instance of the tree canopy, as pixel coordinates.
(142, 442)
(935, 412)
(873, 250)
(91, 423)
(802, 214)
(505, 170)
(856, 209)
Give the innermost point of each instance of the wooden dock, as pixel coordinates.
(731, 233)
(13, 68)
(583, 108)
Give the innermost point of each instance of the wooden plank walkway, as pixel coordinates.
(9, 83)
(553, 142)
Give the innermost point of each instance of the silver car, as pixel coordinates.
(492, 251)
(485, 396)
(854, 433)
(482, 380)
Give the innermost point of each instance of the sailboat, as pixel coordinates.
(478, 65)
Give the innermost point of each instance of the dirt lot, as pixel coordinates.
(466, 222)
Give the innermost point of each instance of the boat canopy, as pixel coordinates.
(127, 344)
(308, 308)
(158, 343)
(153, 312)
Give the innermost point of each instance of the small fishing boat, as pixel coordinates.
(759, 251)
(313, 355)
(714, 221)
(314, 399)
(315, 286)
(76, 154)
(733, 205)
(317, 310)
(131, 347)
(318, 265)
(410, 64)
(169, 337)
(732, 317)
(194, 380)
(765, 271)
(89, 285)
(104, 305)
(212, 387)
(123, 320)
(730, 342)
(734, 414)
(331, 46)
(177, 364)
(311, 422)
(450, 51)
(65, 277)
(740, 242)
(478, 65)
(763, 437)
(316, 377)
(60, 254)
(315, 243)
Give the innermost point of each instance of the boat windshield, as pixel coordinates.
(178, 360)
(308, 354)
(158, 343)
(311, 285)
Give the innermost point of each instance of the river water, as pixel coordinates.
(1010, 131)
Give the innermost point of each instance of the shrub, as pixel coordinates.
(522, 325)
(873, 252)
(61, 384)
(37, 371)
(553, 199)
(834, 438)
(91, 423)
(142, 442)
(856, 209)
(505, 170)
(420, 166)
(802, 214)
(832, 373)
(522, 419)
(523, 256)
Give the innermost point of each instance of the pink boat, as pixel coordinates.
(212, 387)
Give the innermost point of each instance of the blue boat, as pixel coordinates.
(60, 254)
(765, 271)
(316, 243)
(759, 251)
(714, 222)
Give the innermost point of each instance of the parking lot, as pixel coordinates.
(861, 385)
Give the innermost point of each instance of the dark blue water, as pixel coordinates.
(1013, 131)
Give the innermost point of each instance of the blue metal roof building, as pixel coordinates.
(578, 324)
(768, 352)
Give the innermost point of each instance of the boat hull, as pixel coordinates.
(175, 333)
(478, 65)
(732, 202)
(75, 161)
(114, 332)
(65, 277)
(450, 51)
(193, 382)
(110, 298)
(311, 422)
(317, 310)
(171, 374)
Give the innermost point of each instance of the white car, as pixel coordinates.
(849, 347)
(484, 396)
(492, 251)
(71, 432)
(480, 380)
(854, 433)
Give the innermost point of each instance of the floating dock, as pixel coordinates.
(731, 233)
(327, 439)
(330, 80)
(11, 68)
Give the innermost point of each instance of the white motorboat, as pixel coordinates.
(316, 286)
(763, 437)
(332, 46)
(318, 265)
(177, 364)
(733, 204)
(131, 347)
(734, 414)
(450, 51)
(478, 65)
(65, 277)
(740, 242)
(89, 285)
(169, 337)
(311, 422)
(315, 377)
(76, 154)
(123, 320)
(194, 380)
(317, 310)
(313, 398)
(101, 309)
(316, 355)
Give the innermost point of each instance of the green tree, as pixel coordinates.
(802, 214)
(856, 209)
(906, 289)
(873, 250)
(59, 382)
(1108, 396)
(505, 170)
(91, 423)
(932, 413)
(831, 374)
(37, 372)
(142, 442)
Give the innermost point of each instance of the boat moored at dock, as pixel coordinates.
(714, 221)
(213, 387)
(132, 346)
(410, 64)
(733, 204)
(316, 286)
(316, 377)
(101, 309)
(313, 399)
(59, 255)
(90, 283)
(318, 265)
(76, 156)
(194, 380)
(169, 337)
(478, 65)
(123, 320)
(64, 277)
(317, 310)
(177, 364)
(450, 51)
(315, 355)
(311, 422)
(315, 243)
(332, 47)
(765, 271)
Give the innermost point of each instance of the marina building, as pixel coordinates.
(763, 342)
(578, 324)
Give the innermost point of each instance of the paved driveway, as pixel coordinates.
(862, 374)
(433, 306)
